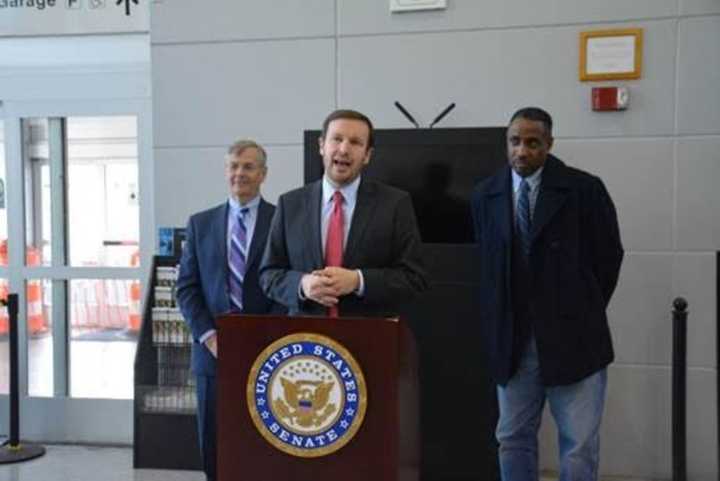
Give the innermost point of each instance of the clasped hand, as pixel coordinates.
(326, 286)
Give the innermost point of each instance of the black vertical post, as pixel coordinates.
(13, 451)
(12, 306)
(679, 383)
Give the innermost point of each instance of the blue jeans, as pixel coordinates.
(577, 410)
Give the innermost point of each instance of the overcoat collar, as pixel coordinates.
(554, 188)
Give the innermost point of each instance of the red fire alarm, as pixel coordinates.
(610, 98)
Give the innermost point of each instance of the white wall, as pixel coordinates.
(269, 70)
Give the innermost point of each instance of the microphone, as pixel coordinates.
(442, 114)
(407, 114)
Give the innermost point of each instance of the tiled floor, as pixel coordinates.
(82, 463)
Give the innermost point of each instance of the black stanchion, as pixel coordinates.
(679, 382)
(13, 451)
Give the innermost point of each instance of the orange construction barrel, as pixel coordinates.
(134, 300)
(35, 312)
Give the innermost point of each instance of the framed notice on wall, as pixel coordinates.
(611, 54)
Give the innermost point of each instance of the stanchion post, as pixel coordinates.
(679, 392)
(12, 306)
(13, 451)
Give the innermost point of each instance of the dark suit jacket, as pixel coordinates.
(202, 281)
(384, 242)
(574, 265)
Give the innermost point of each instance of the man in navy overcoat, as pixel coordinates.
(550, 256)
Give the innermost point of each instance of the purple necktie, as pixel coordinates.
(238, 257)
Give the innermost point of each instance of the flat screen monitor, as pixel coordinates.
(438, 167)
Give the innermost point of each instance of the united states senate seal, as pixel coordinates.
(306, 395)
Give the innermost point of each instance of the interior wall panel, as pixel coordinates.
(494, 73)
(374, 17)
(699, 7)
(699, 75)
(223, 20)
(698, 195)
(205, 94)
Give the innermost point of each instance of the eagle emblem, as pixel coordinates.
(305, 403)
(306, 395)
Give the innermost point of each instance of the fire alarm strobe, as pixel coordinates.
(610, 98)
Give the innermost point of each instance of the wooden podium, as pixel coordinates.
(386, 445)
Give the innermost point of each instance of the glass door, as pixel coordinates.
(76, 264)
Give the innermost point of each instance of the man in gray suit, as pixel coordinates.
(343, 245)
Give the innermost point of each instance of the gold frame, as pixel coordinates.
(621, 32)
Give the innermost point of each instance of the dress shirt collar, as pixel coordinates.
(349, 191)
(235, 204)
(533, 180)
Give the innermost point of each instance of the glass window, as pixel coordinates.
(36, 167)
(103, 335)
(40, 337)
(102, 191)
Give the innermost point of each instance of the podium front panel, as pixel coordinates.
(373, 452)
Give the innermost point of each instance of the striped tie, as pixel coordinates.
(238, 256)
(524, 222)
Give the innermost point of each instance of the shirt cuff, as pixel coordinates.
(206, 336)
(360, 291)
(301, 295)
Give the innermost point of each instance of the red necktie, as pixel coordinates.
(334, 241)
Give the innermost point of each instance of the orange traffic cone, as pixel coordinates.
(35, 312)
(4, 320)
(134, 301)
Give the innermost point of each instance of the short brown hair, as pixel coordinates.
(351, 115)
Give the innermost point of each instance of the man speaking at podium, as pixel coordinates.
(218, 274)
(343, 245)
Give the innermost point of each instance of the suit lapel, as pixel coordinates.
(312, 209)
(262, 223)
(364, 208)
(552, 195)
